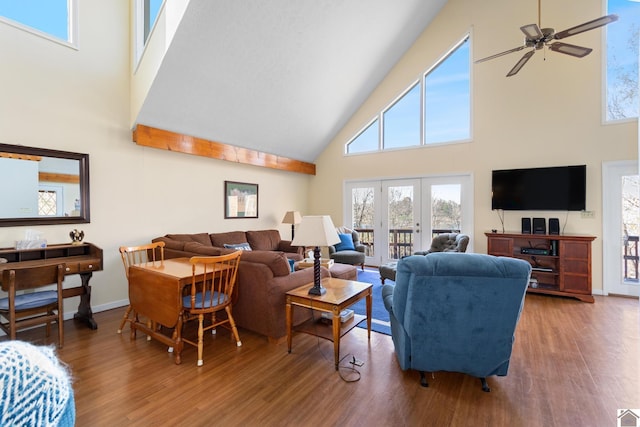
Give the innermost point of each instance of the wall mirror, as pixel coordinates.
(40, 186)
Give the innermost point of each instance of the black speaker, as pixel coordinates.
(539, 226)
(526, 225)
(554, 226)
(554, 246)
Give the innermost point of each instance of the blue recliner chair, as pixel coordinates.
(456, 312)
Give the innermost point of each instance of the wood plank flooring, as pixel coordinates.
(573, 364)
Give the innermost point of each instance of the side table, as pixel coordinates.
(340, 295)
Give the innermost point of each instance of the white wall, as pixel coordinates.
(547, 115)
(78, 100)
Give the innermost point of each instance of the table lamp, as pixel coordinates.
(316, 231)
(293, 218)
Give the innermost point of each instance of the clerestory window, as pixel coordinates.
(147, 12)
(436, 109)
(52, 19)
(622, 60)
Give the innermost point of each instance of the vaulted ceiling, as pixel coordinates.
(279, 76)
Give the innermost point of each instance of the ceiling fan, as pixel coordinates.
(538, 38)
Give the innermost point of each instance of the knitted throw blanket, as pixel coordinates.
(35, 389)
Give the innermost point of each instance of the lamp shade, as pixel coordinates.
(292, 217)
(316, 230)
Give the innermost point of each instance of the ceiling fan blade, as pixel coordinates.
(570, 49)
(532, 31)
(500, 54)
(591, 25)
(521, 63)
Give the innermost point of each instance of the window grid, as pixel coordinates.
(47, 203)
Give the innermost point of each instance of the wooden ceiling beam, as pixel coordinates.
(165, 140)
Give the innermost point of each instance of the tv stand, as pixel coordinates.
(565, 271)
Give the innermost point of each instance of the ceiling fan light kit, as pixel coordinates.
(536, 39)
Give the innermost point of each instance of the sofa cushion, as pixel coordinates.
(264, 240)
(198, 237)
(229, 238)
(238, 246)
(177, 245)
(346, 242)
(200, 249)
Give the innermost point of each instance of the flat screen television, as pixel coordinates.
(560, 188)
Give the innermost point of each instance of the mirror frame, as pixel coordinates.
(83, 160)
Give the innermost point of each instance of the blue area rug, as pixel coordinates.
(379, 314)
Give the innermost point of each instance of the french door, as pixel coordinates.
(621, 228)
(398, 217)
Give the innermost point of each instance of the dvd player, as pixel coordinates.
(534, 251)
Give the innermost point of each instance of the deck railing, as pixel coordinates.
(401, 244)
(630, 257)
(400, 240)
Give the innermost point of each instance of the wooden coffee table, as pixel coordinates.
(340, 295)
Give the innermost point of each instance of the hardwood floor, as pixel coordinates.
(573, 363)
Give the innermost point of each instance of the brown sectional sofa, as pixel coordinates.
(264, 275)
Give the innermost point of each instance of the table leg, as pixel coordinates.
(369, 303)
(289, 321)
(178, 344)
(336, 336)
(84, 313)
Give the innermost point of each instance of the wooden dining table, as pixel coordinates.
(155, 293)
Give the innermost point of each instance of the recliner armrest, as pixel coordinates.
(387, 296)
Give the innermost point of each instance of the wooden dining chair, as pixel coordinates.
(213, 280)
(141, 254)
(23, 310)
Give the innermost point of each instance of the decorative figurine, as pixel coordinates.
(76, 236)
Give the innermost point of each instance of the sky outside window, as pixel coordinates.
(47, 16)
(622, 60)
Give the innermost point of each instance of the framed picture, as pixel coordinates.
(240, 200)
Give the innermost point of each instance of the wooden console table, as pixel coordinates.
(82, 259)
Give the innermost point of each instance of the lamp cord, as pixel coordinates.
(341, 368)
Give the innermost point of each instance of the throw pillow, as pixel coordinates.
(346, 243)
(241, 246)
